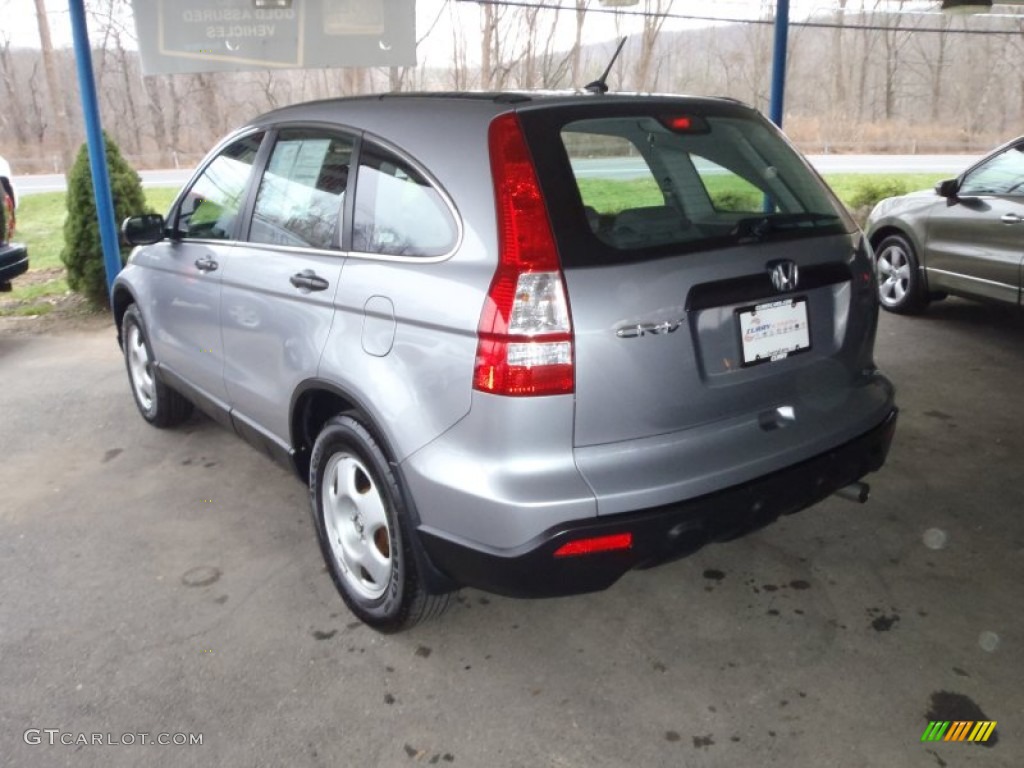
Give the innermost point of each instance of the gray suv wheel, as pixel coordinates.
(362, 523)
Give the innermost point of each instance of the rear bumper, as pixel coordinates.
(13, 261)
(659, 534)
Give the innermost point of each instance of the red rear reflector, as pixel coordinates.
(592, 546)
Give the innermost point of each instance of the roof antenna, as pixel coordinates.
(599, 85)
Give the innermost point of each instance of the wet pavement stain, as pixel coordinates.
(319, 634)
(672, 736)
(960, 672)
(221, 600)
(113, 453)
(389, 699)
(884, 623)
(800, 584)
(714, 574)
(424, 652)
(703, 742)
(940, 415)
(880, 622)
(769, 588)
(186, 462)
(946, 705)
(203, 576)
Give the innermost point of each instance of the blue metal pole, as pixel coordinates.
(94, 139)
(779, 60)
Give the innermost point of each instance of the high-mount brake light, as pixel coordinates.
(686, 123)
(616, 542)
(525, 345)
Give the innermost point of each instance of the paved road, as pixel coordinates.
(169, 582)
(625, 168)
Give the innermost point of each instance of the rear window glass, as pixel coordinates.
(659, 181)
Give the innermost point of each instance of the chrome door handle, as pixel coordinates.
(1011, 218)
(309, 280)
(206, 264)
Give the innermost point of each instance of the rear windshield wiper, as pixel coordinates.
(758, 227)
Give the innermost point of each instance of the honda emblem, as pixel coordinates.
(785, 275)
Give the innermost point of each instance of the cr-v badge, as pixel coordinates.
(649, 329)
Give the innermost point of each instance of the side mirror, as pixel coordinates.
(947, 189)
(143, 230)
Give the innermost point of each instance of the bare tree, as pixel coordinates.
(53, 83)
(653, 21)
(581, 16)
(11, 115)
(838, 61)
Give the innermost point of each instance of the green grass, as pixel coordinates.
(41, 227)
(27, 310)
(730, 193)
(160, 199)
(847, 186)
(37, 290)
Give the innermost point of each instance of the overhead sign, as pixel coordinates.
(178, 36)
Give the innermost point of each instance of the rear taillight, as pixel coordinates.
(525, 343)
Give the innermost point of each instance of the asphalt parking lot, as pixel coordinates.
(168, 582)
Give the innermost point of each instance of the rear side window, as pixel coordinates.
(209, 210)
(301, 195)
(677, 182)
(398, 212)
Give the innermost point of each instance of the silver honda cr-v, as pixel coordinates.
(518, 342)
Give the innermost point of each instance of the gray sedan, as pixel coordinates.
(964, 238)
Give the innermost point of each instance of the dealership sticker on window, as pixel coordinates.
(774, 331)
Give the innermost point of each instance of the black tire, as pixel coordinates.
(362, 523)
(160, 405)
(901, 286)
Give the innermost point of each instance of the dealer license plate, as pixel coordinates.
(774, 331)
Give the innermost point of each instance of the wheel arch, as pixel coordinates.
(314, 402)
(121, 299)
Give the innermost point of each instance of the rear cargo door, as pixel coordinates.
(709, 272)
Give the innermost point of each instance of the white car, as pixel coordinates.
(13, 257)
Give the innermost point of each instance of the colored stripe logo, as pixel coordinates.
(959, 730)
